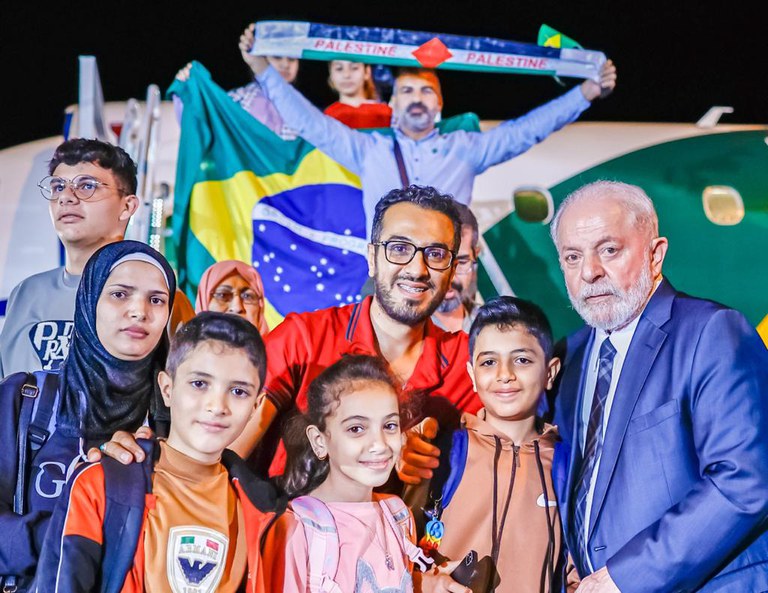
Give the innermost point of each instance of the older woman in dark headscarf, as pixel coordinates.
(107, 383)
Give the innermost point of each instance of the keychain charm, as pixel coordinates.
(433, 532)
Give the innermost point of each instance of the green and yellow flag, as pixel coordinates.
(244, 193)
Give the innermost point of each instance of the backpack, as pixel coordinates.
(323, 538)
(37, 402)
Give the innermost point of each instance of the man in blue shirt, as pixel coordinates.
(448, 162)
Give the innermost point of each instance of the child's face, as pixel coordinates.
(510, 372)
(287, 67)
(132, 310)
(348, 77)
(361, 440)
(211, 398)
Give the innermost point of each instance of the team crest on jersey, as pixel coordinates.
(51, 342)
(196, 558)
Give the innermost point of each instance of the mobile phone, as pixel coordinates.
(479, 574)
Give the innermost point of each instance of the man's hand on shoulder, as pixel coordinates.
(598, 582)
(592, 90)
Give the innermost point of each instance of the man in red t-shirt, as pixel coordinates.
(411, 257)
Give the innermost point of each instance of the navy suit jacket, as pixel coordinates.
(681, 497)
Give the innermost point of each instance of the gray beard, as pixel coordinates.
(611, 316)
(417, 123)
(449, 305)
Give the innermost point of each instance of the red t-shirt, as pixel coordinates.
(304, 344)
(366, 115)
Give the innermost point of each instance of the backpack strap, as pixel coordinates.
(126, 487)
(38, 429)
(453, 457)
(399, 517)
(322, 543)
(32, 432)
(458, 460)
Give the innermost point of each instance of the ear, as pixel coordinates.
(131, 205)
(659, 248)
(471, 373)
(317, 441)
(371, 259)
(552, 369)
(165, 381)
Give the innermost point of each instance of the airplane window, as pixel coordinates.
(533, 204)
(723, 205)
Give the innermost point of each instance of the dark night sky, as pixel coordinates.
(675, 59)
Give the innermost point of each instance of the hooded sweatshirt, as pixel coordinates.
(525, 532)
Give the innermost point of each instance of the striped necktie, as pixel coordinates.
(593, 445)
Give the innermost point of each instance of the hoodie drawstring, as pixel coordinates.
(549, 560)
(498, 528)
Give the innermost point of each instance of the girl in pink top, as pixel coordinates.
(338, 452)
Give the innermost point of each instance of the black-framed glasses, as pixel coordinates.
(225, 296)
(402, 252)
(82, 186)
(465, 264)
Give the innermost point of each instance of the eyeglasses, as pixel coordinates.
(402, 252)
(83, 187)
(465, 264)
(225, 296)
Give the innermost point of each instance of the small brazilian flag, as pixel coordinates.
(549, 37)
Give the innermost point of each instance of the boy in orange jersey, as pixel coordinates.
(191, 516)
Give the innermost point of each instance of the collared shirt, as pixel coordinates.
(620, 339)
(304, 344)
(448, 162)
(465, 325)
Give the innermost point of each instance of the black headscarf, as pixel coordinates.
(99, 393)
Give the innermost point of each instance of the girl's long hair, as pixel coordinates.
(304, 471)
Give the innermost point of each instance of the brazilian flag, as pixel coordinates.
(244, 193)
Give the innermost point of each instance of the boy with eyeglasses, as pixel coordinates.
(459, 307)
(91, 190)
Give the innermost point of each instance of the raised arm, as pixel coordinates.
(341, 143)
(513, 137)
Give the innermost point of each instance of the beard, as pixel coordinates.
(404, 310)
(417, 122)
(449, 305)
(615, 313)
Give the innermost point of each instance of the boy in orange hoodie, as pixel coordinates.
(493, 492)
